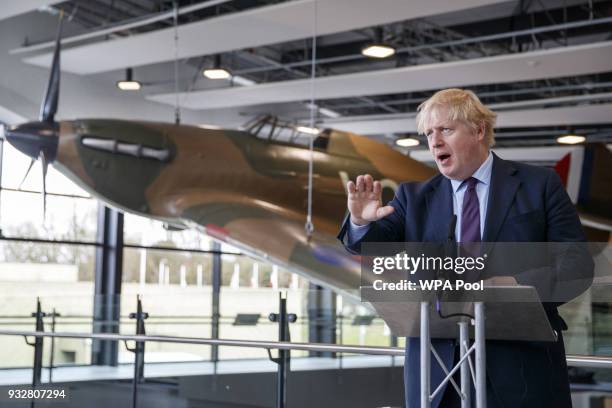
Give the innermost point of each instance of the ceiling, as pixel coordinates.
(257, 26)
(559, 62)
(15, 8)
(544, 65)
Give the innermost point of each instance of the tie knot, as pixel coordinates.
(471, 183)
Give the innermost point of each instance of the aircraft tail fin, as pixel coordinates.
(587, 175)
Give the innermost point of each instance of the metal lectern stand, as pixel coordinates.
(478, 349)
(527, 321)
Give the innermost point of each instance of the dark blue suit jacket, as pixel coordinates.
(526, 204)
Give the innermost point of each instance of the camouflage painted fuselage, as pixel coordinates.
(240, 189)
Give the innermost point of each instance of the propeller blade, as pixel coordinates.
(48, 109)
(32, 161)
(45, 164)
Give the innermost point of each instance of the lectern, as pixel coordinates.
(512, 313)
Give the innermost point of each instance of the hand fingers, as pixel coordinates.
(384, 211)
(377, 187)
(350, 187)
(360, 184)
(368, 183)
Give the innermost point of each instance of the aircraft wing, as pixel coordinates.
(264, 234)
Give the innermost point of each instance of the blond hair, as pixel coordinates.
(463, 105)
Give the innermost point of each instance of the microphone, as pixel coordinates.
(450, 237)
(448, 247)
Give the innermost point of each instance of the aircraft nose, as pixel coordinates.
(34, 137)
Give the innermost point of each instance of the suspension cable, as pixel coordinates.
(177, 104)
(309, 224)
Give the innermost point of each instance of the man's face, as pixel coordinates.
(457, 149)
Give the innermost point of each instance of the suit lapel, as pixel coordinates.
(501, 195)
(439, 211)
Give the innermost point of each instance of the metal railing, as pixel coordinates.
(572, 359)
(282, 360)
(276, 345)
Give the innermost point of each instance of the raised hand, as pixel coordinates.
(364, 200)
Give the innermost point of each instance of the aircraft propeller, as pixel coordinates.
(32, 161)
(39, 139)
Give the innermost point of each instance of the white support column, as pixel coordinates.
(162, 272)
(183, 273)
(199, 275)
(143, 267)
(274, 277)
(235, 281)
(255, 276)
(295, 283)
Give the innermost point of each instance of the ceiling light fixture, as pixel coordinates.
(571, 139)
(378, 49)
(308, 130)
(210, 127)
(128, 84)
(407, 142)
(217, 72)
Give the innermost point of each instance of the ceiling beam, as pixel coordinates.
(522, 154)
(256, 27)
(549, 63)
(565, 116)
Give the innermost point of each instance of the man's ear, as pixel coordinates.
(480, 131)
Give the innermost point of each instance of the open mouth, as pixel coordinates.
(443, 158)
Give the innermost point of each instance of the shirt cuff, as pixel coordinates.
(356, 232)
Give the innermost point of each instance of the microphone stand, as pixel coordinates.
(448, 251)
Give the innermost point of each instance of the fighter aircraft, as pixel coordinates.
(238, 187)
(246, 188)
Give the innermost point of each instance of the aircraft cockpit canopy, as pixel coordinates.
(270, 128)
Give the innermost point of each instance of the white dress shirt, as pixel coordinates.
(482, 174)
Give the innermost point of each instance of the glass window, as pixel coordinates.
(175, 290)
(66, 218)
(61, 275)
(147, 232)
(71, 214)
(249, 293)
(15, 165)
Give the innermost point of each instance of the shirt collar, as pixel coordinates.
(483, 174)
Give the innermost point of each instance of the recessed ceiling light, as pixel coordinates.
(378, 51)
(309, 130)
(407, 142)
(571, 139)
(216, 73)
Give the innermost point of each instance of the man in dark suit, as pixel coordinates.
(494, 200)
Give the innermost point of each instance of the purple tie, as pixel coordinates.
(470, 215)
